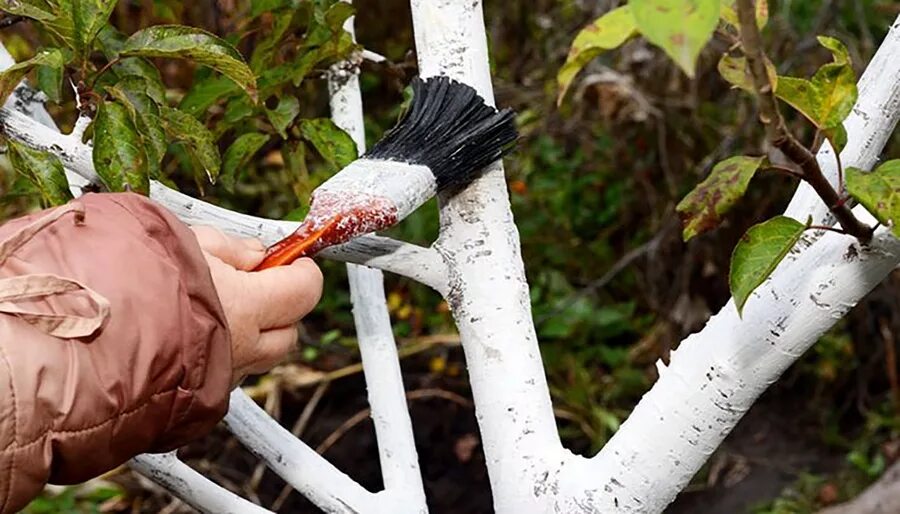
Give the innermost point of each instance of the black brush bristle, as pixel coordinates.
(449, 129)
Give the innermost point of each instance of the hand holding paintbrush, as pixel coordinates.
(446, 137)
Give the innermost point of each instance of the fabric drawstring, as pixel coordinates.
(27, 287)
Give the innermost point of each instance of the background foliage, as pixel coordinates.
(594, 186)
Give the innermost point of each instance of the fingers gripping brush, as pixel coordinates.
(445, 138)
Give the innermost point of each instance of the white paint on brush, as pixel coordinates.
(408, 186)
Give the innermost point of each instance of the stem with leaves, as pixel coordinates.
(777, 131)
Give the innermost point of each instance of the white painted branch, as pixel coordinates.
(298, 464)
(874, 117)
(421, 264)
(384, 381)
(378, 349)
(191, 487)
(30, 103)
(716, 375)
(488, 290)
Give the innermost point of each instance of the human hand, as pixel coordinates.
(262, 308)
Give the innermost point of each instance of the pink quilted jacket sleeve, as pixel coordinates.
(112, 342)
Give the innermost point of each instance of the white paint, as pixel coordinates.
(31, 106)
(191, 487)
(294, 461)
(408, 186)
(378, 350)
(421, 264)
(683, 419)
(488, 290)
(716, 375)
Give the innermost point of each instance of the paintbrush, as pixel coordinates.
(443, 140)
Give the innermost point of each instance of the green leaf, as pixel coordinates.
(736, 71)
(837, 48)
(758, 253)
(325, 25)
(200, 142)
(12, 76)
(34, 9)
(258, 7)
(88, 16)
(72, 23)
(337, 14)
(50, 78)
(206, 93)
(119, 155)
(145, 115)
(238, 109)
(828, 98)
(605, 33)
(42, 169)
(141, 84)
(176, 41)
(837, 136)
(265, 50)
(879, 192)
(294, 155)
(239, 154)
(110, 41)
(55, 16)
(332, 143)
(680, 27)
(836, 84)
(702, 209)
(283, 115)
(801, 94)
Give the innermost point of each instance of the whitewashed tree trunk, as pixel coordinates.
(488, 292)
(712, 380)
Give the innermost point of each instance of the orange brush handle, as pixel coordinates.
(301, 243)
(333, 219)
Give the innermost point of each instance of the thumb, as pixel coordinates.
(243, 254)
(283, 295)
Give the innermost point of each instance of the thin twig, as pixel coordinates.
(826, 227)
(104, 69)
(611, 273)
(784, 170)
(890, 361)
(777, 131)
(359, 417)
